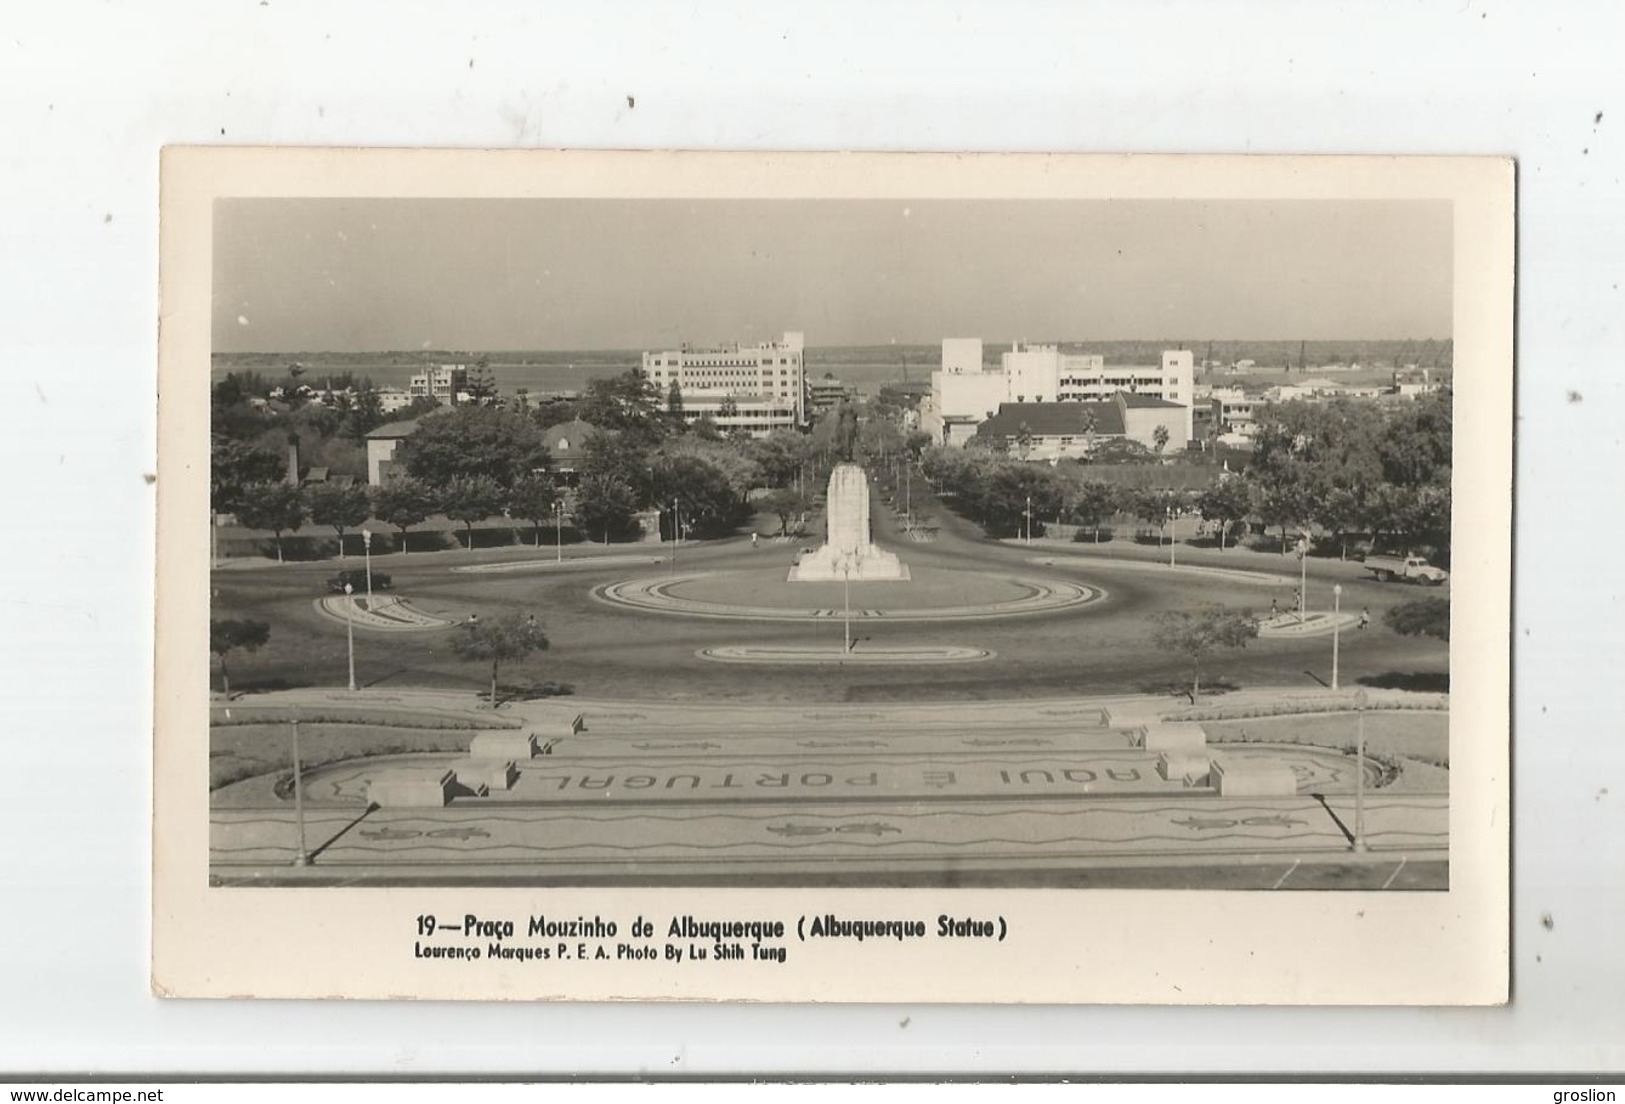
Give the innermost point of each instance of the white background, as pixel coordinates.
(90, 92)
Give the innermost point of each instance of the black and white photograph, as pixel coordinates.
(891, 541)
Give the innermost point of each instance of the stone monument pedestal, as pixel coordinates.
(848, 552)
(1253, 778)
(411, 790)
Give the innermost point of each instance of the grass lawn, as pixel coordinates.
(1419, 741)
(247, 751)
(926, 588)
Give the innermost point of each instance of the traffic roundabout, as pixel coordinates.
(932, 594)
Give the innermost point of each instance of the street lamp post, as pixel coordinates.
(558, 531)
(1173, 536)
(846, 612)
(349, 627)
(675, 534)
(1029, 519)
(366, 550)
(1303, 577)
(1337, 625)
(1360, 700)
(302, 856)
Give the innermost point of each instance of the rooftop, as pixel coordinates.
(1054, 419)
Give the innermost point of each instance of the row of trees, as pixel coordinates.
(507, 638)
(1342, 468)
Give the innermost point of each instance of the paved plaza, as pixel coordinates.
(980, 719)
(645, 794)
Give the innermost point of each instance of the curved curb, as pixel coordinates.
(1232, 574)
(556, 565)
(869, 657)
(390, 614)
(649, 595)
(1285, 626)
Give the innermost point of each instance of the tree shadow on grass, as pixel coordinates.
(1181, 688)
(1422, 682)
(265, 686)
(533, 690)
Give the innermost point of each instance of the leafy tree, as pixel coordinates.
(229, 634)
(1196, 634)
(674, 406)
(710, 505)
(1118, 450)
(1341, 510)
(1226, 502)
(1091, 425)
(417, 408)
(533, 498)
(879, 436)
(780, 456)
(341, 507)
(787, 504)
(605, 504)
(627, 404)
(277, 507)
(469, 499)
(1001, 506)
(234, 467)
(1414, 446)
(1093, 502)
(1160, 437)
(736, 463)
(705, 428)
(363, 413)
(403, 503)
(1423, 617)
(474, 442)
(1024, 440)
(507, 638)
(481, 384)
(1280, 501)
(551, 411)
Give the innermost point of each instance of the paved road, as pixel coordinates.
(598, 650)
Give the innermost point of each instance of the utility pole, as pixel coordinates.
(301, 857)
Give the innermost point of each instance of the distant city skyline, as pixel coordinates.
(377, 275)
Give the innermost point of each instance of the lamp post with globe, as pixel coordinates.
(366, 550)
(349, 628)
(301, 856)
(1337, 626)
(1360, 701)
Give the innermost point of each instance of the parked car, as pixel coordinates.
(1411, 568)
(357, 579)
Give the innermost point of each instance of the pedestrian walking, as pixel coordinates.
(1365, 616)
(753, 537)
(1275, 609)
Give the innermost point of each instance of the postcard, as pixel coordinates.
(833, 577)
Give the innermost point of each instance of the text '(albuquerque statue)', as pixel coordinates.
(847, 551)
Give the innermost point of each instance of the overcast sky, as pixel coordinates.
(311, 275)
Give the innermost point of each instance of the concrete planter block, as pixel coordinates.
(503, 745)
(404, 790)
(1187, 767)
(487, 774)
(1254, 778)
(1173, 736)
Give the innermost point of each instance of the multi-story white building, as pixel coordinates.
(756, 388)
(965, 392)
(445, 382)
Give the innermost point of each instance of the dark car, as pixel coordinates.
(357, 580)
